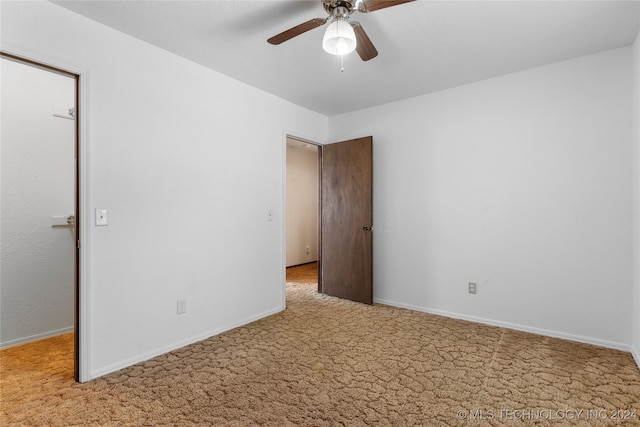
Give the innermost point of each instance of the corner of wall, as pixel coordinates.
(636, 199)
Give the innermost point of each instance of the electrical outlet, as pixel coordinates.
(182, 306)
(101, 217)
(472, 287)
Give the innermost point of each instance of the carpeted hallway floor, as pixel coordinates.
(330, 362)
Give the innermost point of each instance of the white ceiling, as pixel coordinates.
(423, 46)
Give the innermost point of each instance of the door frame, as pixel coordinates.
(320, 146)
(308, 140)
(81, 267)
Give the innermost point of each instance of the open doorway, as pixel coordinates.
(39, 292)
(343, 189)
(302, 211)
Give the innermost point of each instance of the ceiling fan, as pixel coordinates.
(342, 36)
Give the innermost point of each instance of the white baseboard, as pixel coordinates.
(36, 337)
(182, 343)
(514, 326)
(635, 352)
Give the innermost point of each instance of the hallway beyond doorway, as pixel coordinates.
(304, 273)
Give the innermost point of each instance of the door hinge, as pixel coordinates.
(78, 244)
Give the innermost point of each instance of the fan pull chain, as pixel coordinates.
(342, 63)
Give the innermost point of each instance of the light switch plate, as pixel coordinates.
(181, 306)
(101, 217)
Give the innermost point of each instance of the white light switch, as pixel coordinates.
(101, 217)
(269, 215)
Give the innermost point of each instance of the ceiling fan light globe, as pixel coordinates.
(342, 47)
(339, 39)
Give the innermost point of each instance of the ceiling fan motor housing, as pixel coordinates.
(342, 8)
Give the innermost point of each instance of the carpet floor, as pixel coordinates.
(331, 362)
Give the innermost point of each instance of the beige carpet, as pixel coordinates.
(330, 362)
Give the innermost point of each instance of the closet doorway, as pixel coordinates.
(39, 206)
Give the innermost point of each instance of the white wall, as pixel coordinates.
(38, 181)
(519, 183)
(636, 198)
(188, 162)
(302, 205)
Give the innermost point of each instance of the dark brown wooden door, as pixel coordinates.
(346, 219)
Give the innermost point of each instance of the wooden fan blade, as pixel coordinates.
(297, 30)
(364, 47)
(372, 5)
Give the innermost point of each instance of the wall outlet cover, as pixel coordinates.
(101, 217)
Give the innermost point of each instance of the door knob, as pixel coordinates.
(71, 220)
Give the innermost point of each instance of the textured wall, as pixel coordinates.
(519, 183)
(37, 157)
